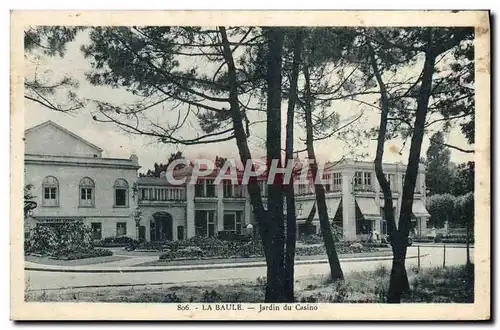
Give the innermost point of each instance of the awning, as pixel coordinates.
(332, 204)
(419, 209)
(303, 208)
(368, 208)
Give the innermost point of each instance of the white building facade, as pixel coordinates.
(353, 196)
(71, 181)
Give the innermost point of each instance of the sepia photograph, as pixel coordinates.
(250, 165)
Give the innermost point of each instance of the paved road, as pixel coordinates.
(39, 280)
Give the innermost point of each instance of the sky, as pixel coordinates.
(118, 144)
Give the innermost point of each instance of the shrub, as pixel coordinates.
(211, 296)
(311, 239)
(85, 254)
(188, 252)
(121, 241)
(124, 240)
(73, 237)
(42, 240)
(230, 236)
(337, 232)
(376, 245)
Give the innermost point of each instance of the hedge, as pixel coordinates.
(85, 254)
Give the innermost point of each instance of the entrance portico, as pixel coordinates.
(161, 227)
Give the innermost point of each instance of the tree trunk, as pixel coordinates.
(379, 171)
(309, 220)
(399, 279)
(291, 218)
(394, 294)
(333, 259)
(261, 217)
(398, 284)
(276, 274)
(467, 234)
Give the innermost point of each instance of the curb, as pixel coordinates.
(201, 267)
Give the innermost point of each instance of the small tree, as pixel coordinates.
(442, 208)
(465, 206)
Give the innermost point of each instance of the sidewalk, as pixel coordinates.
(124, 266)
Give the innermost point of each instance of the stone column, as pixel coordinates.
(248, 211)
(348, 205)
(190, 228)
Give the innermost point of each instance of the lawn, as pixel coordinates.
(77, 262)
(436, 285)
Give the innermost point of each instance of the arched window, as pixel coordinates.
(50, 187)
(121, 193)
(87, 192)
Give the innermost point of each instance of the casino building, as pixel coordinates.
(72, 181)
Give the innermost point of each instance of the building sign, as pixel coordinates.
(57, 220)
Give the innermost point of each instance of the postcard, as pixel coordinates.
(250, 165)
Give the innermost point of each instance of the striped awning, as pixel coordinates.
(368, 208)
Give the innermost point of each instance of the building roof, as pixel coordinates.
(51, 123)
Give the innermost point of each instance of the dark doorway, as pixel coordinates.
(180, 233)
(161, 227)
(142, 233)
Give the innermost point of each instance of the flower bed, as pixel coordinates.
(68, 241)
(311, 239)
(122, 241)
(214, 248)
(84, 254)
(447, 239)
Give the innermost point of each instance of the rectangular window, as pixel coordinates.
(200, 223)
(358, 178)
(238, 191)
(211, 223)
(86, 197)
(228, 189)
(198, 190)
(96, 228)
(143, 194)
(120, 197)
(230, 222)
(121, 229)
(337, 182)
(204, 223)
(367, 179)
(238, 222)
(328, 184)
(180, 233)
(210, 188)
(50, 196)
(391, 179)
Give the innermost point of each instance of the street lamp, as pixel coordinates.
(137, 218)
